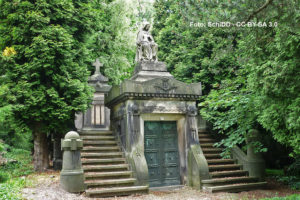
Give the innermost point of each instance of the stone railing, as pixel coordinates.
(252, 161)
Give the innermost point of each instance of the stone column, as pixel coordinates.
(192, 128)
(71, 176)
(197, 164)
(134, 145)
(256, 163)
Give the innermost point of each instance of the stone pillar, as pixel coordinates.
(197, 164)
(192, 128)
(71, 176)
(256, 163)
(134, 145)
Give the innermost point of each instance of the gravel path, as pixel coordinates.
(46, 187)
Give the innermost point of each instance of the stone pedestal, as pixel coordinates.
(148, 70)
(71, 176)
(152, 94)
(98, 115)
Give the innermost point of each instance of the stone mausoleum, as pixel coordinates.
(144, 133)
(154, 117)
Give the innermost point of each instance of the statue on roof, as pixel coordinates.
(146, 47)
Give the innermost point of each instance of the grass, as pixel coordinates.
(274, 172)
(12, 174)
(291, 197)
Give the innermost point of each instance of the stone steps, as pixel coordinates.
(201, 140)
(105, 175)
(116, 167)
(102, 155)
(105, 137)
(224, 167)
(228, 173)
(207, 144)
(226, 176)
(228, 180)
(220, 161)
(212, 150)
(212, 155)
(99, 142)
(95, 132)
(235, 187)
(86, 161)
(203, 135)
(203, 131)
(116, 191)
(106, 172)
(109, 182)
(100, 149)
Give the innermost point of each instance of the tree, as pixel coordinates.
(47, 72)
(250, 74)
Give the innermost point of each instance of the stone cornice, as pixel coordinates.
(145, 96)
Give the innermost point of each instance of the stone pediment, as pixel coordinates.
(162, 87)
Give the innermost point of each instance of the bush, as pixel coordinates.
(292, 181)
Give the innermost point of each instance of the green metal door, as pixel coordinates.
(161, 152)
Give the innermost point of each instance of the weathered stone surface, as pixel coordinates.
(145, 71)
(97, 80)
(97, 116)
(152, 94)
(167, 88)
(197, 167)
(150, 66)
(146, 47)
(71, 176)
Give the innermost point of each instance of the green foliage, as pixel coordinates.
(47, 76)
(292, 181)
(12, 131)
(274, 172)
(20, 162)
(250, 75)
(291, 197)
(11, 190)
(4, 176)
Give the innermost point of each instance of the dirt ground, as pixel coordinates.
(46, 187)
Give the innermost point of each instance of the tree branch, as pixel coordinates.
(268, 2)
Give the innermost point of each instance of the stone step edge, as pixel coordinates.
(93, 148)
(98, 167)
(107, 174)
(97, 137)
(220, 160)
(104, 160)
(109, 181)
(99, 142)
(94, 131)
(229, 179)
(233, 187)
(225, 173)
(116, 190)
(225, 166)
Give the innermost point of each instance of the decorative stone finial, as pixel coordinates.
(97, 64)
(146, 47)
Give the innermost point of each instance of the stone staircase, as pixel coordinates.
(106, 172)
(225, 174)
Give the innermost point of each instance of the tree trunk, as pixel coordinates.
(41, 153)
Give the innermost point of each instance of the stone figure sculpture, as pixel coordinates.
(146, 47)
